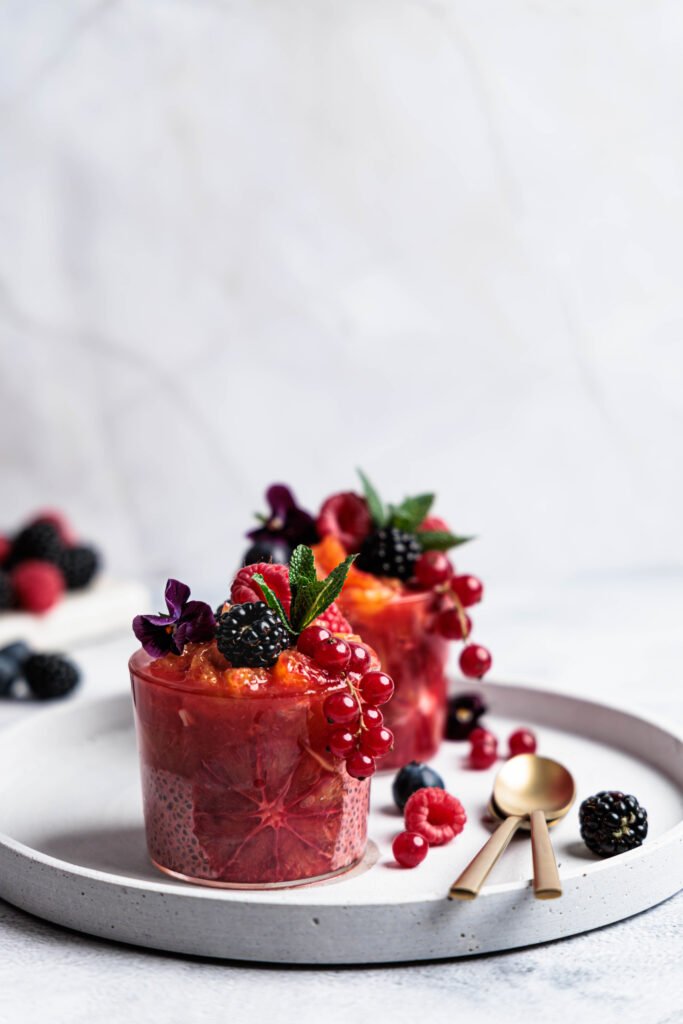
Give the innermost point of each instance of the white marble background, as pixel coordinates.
(243, 240)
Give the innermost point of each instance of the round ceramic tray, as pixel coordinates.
(72, 847)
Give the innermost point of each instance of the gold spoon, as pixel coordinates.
(526, 787)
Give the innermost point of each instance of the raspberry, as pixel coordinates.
(79, 566)
(6, 591)
(252, 635)
(434, 523)
(409, 849)
(346, 517)
(435, 815)
(333, 620)
(244, 591)
(37, 585)
(5, 548)
(49, 675)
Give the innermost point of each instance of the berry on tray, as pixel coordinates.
(50, 675)
(522, 741)
(612, 823)
(40, 541)
(37, 585)
(252, 635)
(79, 566)
(482, 756)
(409, 849)
(435, 815)
(6, 591)
(412, 777)
(463, 714)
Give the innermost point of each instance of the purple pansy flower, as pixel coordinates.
(286, 520)
(186, 622)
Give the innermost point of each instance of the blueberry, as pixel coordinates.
(18, 652)
(9, 671)
(464, 712)
(412, 777)
(268, 549)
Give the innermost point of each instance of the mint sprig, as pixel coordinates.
(310, 596)
(408, 516)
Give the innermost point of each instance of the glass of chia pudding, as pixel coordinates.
(258, 731)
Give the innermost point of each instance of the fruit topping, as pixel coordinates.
(522, 741)
(360, 765)
(409, 849)
(463, 714)
(475, 661)
(311, 638)
(435, 815)
(432, 568)
(376, 741)
(333, 620)
(341, 742)
(412, 777)
(50, 675)
(252, 635)
(454, 624)
(186, 622)
(37, 585)
(468, 589)
(245, 589)
(376, 688)
(390, 552)
(360, 658)
(612, 823)
(341, 708)
(333, 653)
(347, 517)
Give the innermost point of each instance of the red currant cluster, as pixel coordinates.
(484, 746)
(434, 570)
(433, 818)
(359, 735)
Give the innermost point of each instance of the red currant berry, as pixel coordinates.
(475, 661)
(372, 717)
(482, 755)
(377, 742)
(409, 849)
(480, 735)
(340, 708)
(333, 654)
(432, 568)
(468, 589)
(522, 741)
(360, 765)
(360, 658)
(310, 639)
(341, 742)
(376, 687)
(449, 624)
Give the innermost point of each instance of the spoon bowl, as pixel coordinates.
(528, 783)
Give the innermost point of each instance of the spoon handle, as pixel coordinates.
(468, 884)
(547, 885)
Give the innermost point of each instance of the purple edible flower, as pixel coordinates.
(186, 622)
(286, 520)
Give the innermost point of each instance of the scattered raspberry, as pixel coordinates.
(244, 591)
(435, 815)
(37, 585)
(346, 517)
(333, 620)
(5, 548)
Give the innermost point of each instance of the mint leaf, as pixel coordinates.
(379, 516)
(272, 600)
(410, 513)
(301, 567)
(440, 540)
(322, 593)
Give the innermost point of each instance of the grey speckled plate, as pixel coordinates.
(72, 847)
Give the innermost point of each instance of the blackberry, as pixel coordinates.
(50, 675)
(79, 565)
(39, 541)
(6, 591)
(252, 635)
(463, 714)
(612, 823)
(390, 552)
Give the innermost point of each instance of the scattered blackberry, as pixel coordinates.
(79, 565)
(412, 777)
(463, 714)
(252, 635)
(50, 675)
(6, 591)
(612, 823)
(390, 552)
(40, 541)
